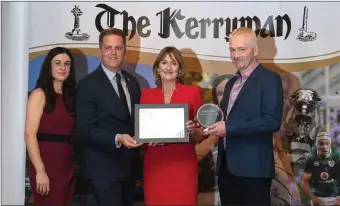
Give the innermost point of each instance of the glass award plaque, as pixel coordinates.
(209, 114)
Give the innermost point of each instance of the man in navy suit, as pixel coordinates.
(105, 102)
(253, 104)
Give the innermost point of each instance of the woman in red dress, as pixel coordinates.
(171, 170)
(49, 123)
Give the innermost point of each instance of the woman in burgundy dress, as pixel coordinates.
(171, 170)
(49, 123)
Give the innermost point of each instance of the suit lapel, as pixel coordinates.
(111, 92)
(131, 90)
(225, 101)
(108, 85)
(252, 79)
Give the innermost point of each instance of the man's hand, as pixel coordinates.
(217, 129)
(317, 201)
(128, 141)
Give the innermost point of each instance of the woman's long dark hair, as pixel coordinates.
(45, 82)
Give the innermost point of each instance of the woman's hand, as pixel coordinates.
(191, 127)
(43, 183)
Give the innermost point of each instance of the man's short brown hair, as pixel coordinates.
(111, 31)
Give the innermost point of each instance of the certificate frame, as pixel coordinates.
(141, 134)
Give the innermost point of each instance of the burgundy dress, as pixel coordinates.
(57, 155)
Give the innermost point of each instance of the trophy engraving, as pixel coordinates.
(76, 34)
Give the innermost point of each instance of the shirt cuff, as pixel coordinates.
(118, 145)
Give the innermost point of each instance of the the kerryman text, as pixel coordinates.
(190, 27)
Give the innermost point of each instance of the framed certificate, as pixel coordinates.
(163, 123)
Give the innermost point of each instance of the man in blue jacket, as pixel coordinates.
(252, 104)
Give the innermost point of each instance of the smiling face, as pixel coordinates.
(61, 66)
(112, 52)
(168, 68)
(243, 52)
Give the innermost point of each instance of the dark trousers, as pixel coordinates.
(236, 190)
(109, 192)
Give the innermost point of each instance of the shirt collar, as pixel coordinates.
(110, 74)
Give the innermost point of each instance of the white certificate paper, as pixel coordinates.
(161, 123)
(156, 124)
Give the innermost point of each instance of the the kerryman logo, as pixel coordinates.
(176, 22)
(304, 34)
(76, 34)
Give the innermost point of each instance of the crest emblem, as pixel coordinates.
(324, 175)
(76, 34)
(331, 163)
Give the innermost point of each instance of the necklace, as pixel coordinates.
(168, 93)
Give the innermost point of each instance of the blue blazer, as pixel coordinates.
(100, 116)
(255, 116)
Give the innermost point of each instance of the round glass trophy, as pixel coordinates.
(209, 114)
